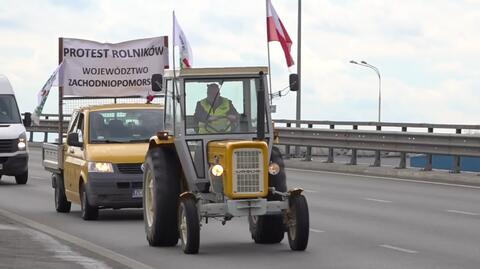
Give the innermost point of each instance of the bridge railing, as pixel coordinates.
(445, 139)
(48, 124)
(457, 140)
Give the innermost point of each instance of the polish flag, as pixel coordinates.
(277, 32)
(180, 40)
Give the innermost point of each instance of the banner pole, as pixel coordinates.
(60, 92)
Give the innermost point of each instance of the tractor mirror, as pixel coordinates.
(293, 82)
(157, 80)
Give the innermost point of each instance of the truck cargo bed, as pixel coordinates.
(52, 157)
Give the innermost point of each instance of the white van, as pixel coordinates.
(13, 138)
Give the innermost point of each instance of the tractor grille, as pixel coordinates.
(130, 168)
(247, 171)
(7, 145)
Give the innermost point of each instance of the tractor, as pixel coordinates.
(216, 159)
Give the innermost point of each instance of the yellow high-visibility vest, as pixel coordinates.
(218, 125)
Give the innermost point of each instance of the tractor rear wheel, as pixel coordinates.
(161, 182)
(270, 229)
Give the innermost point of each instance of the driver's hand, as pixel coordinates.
(232, 117)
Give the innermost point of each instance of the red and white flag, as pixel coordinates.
(277, 32)
(180, 40)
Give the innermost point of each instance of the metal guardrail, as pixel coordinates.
(48, 124)
(370, 136)
(324, 134)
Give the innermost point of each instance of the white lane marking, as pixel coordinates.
(388, 178)
(316, 231)
(8, 227)
(64, 252)
(377, 200)
(310, 191)
(107, 253)
(399, 249)
(462, 212)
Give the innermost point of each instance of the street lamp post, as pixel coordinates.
(365, 64)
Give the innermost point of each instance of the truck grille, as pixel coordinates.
(7, 145)
(247, 171)
(130, 168)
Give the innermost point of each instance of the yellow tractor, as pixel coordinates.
(215, 159)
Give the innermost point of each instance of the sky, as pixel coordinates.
(427, 51)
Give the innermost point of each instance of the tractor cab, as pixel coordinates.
(213, 105)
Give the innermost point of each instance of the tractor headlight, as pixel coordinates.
(22, 142)
(100, 167)
(273, 169)
(217, 170)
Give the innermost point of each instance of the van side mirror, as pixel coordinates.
(293, 81)
(27, 119)
(157, 80)
(72, 140)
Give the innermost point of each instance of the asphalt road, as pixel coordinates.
(356, 222)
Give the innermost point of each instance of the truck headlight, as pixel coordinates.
(22, 142)
(217, 170)
(100, 167)
(273, 169)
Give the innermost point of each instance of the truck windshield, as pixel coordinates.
(124, 126)
(221, 106)
(8, 109)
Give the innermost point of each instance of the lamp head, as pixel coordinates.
(353, 62)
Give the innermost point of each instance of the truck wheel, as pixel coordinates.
(298, 223)
(88, 212)
(189, 226)
(62, 205)
(267, 229)
(22, 179)
(161, 181)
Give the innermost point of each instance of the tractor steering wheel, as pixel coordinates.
(232, 125)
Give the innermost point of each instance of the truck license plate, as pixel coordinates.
(137, 193)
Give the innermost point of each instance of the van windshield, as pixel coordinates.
(125, 126)
(8, 109)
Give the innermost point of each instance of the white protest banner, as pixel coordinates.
(104, 69)
(43, 95)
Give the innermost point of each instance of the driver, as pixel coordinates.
(215, 114)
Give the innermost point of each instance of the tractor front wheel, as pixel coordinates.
(298, 222)
(189, 226)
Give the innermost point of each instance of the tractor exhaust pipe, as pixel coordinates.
(261, 108)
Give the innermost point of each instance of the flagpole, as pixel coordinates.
(268, 50)
(173, 45)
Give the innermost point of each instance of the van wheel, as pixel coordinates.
(161, 181)
(22, 179)
(88, 212)
(62, 205)
(298, 223)
(189, 226)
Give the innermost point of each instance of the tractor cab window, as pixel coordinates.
(221, 106)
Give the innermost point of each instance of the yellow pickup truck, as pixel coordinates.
(99, 166)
